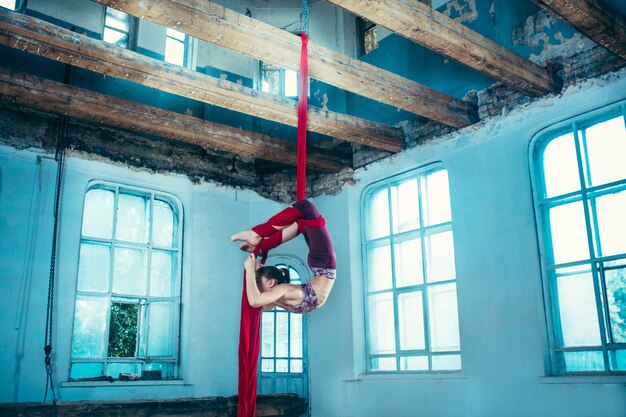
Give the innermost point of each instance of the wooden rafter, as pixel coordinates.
(436, 31)
(87, 105)
(217, 24)
(44, 39)
(594, 18)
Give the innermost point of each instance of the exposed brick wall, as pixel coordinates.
(35, 130)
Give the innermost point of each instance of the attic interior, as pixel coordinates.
(467, 156)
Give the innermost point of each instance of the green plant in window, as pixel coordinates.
(123, 330)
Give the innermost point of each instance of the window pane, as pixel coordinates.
(606, 147)
(132, 218)
(296, 335)
(378, 215)
(9, 4)
(414, 363)
(98, 213)
(617, 360)
(569, 233)
(175, 34)
(577, 310)
(90, 322)
(123, 330)
(405, 207)
(436, 198)
(383, 364)
(282, 335)
(161, 274)
(440, 257)
(583, 361)
(270, 81)
(291, 83)
(129, 271)
(611, 210)
(160, 329)
(282, 365)
(411, 321)
(115, 369)
(86, 370)
(379, 271)
(267, 338)
(446, 362)
(560, 166)
(616, 297)
(115, 37)
(296, 366)
(408, 263)
(381, 324)
(174, 51)
(117, 19)
(267, 365)
(444, 318)
(163, 225)
(94, 267)
(166, 368)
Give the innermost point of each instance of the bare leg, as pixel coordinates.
(286, 234)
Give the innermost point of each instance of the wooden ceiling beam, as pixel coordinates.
(427, 27)
(44, 39)
(51, 96)
(216, 24)
(593, 18)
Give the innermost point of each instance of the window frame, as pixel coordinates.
(305, 276)
(186, 42)
(395, 237)
(132, 29)
(586, 194)
(281, 79)
(144, 301)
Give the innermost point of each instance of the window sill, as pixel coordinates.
(88, 384)
(584, 379)
(406, 376)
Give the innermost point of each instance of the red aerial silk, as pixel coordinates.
(302, 109)
(249, 328)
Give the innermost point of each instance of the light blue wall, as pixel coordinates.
(212, 277)
(501, 315)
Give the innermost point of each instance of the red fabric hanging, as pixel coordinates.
(249, 327)
(302, 110)
(249, 343)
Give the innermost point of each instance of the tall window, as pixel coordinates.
(282, 337)
(280, 81)
(580, 178)
(175, 47)
(126, 318)
(118, 27)
(411, 301)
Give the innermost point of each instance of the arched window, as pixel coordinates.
(126, 318)
(579, 179)
(410, 275)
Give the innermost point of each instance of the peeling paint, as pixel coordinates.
(461, 10)
(539, 34)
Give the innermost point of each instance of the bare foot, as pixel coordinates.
(246, 247)
(247, 236)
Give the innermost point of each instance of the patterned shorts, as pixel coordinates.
(327, 272)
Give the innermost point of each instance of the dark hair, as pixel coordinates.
(271, 272)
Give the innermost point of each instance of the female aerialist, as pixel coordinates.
(269, 286)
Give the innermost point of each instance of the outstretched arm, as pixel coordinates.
(256, 298)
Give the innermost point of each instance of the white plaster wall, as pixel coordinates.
(501, 315)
